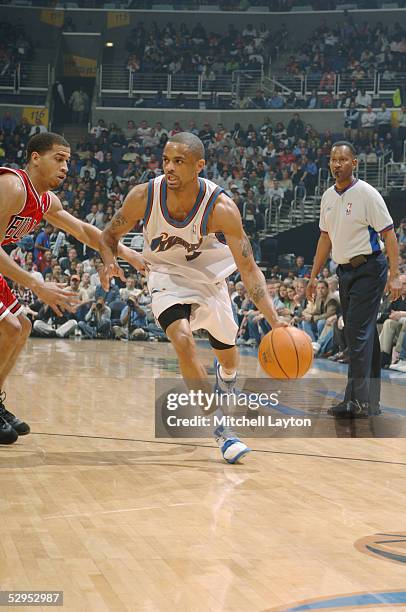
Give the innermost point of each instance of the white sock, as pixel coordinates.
(226, 377)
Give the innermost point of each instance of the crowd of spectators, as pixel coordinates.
(187, 50)
(355, 51)
(350, 48)
(255, 165)
(15, 47)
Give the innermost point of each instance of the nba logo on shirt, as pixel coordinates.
(348, 209)
(194, 228)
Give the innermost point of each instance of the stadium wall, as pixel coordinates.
(320, 119)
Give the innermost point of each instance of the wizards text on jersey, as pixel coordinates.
(164, 242)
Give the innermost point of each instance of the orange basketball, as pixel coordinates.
(286, 352)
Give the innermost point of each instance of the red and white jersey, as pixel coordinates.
(32, 211)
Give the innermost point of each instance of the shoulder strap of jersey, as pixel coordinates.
(47, 201)
(209, 207)
(150, 201)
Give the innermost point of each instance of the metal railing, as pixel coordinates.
(245, 83)
(26, 76)
(121, 80)
(304, 84)
(395, 176)
(114, 79)
(323, 179)
(374, 171)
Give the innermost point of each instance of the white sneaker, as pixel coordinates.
(400, 366)
(316, 347)
(232, 448)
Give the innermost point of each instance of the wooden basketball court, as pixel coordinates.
(93, 505)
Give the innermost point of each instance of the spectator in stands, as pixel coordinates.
(66, 263)
(284, 303)
(316, 313)
(98, 130)
(299, 300)
(97, 322)
(301, 270)
(276, 100)
(351, 122)
(309, 176)
(401, 233)
(363, 99)
(88, 290)
(400, 365)
(368, 123)
(296, 128)
(327, 101)
(133, 321)
(394, 327)
(258, 101)
(19, 254)
(383, 120)
(42, 243)
(112, 295)
(8, 123)
(129, 289)
(312, 100)
(49, 325)
(79, 104)
(327, 81)
(90, 168)
(275, 192)
(96, 216)
(38, 127)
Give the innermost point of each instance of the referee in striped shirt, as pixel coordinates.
(354, 220)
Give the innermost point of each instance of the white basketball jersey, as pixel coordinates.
(184, 247)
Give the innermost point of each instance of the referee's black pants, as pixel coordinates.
(360, 294)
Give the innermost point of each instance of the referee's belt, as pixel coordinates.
(358, 260)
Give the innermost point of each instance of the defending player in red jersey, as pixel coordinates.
(25, 200)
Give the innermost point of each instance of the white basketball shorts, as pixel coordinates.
(211, 304)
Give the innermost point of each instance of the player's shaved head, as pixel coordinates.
(192, 142)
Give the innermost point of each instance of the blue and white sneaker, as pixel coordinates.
(232, 448)
(223, 386)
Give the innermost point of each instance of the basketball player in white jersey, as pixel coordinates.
(194, 239)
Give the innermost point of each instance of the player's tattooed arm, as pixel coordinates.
(227, 219)
(133, 210)
(118, 222)
(116, 228)
(246, 250)
(257, 292)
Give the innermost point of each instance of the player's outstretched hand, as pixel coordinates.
(57, 296)
(311, 289)
(107, 272)
(137, 261)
